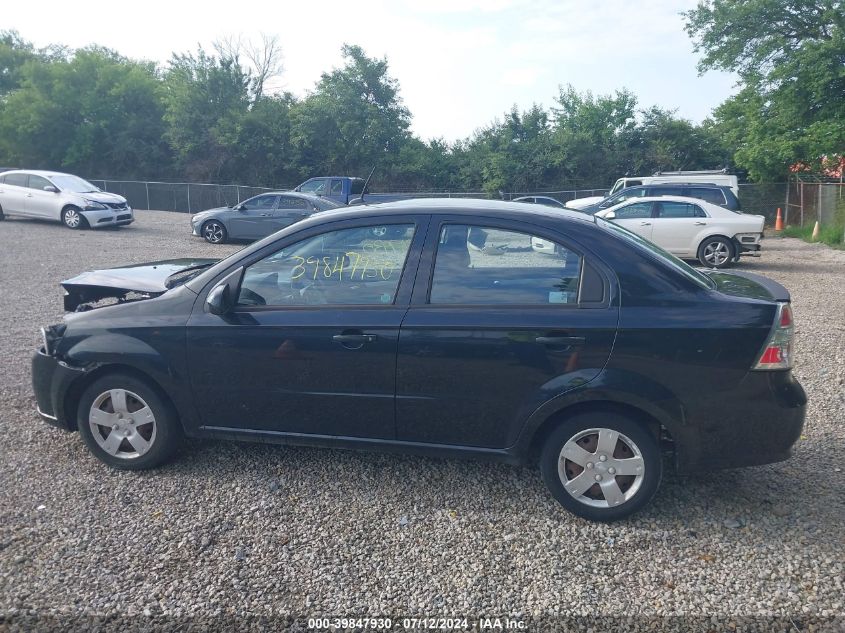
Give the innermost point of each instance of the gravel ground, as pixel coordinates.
(248, 531)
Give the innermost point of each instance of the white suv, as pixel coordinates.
(67, 198)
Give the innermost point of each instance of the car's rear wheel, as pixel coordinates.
(2, 215)
(73, 219)
(126, 424)
(214, 232)
(716, 252)
(601, 465)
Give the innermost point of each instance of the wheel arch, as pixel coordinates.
(703, 239)
(71, 205)
(74, 392)
(648, 421)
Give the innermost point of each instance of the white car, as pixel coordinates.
(690, 228)
(67, 198)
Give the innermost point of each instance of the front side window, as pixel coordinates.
(316, 187)
(357, 266)
(490, 266)
(337, 188)
(259, 203)
(37, 182)
(633, 211)
(622, 197)
(679, 210)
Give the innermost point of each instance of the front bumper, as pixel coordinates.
(101, 218)
(51, 379)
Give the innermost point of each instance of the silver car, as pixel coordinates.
(257, 217)
(67, 198)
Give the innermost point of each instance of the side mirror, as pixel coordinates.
(51, 189)
(218, 301)
(610, 215)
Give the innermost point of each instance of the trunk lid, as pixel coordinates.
(745, 284)
(144, 280)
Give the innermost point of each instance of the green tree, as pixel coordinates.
(594, 135)
(353, 120)
(207, 98)
(790, 57)
(95, 113)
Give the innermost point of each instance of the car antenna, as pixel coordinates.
(367, 183)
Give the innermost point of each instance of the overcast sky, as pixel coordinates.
(460, 63)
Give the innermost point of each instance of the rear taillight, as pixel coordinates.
(777, 351)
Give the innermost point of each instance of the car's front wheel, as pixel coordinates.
(2, 215)
(72, 218)
(126, 424)
(601, 465)
(716, 252)
(214, 232)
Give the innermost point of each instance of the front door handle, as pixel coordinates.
(29, 195)
(561, 340)
(354, 341)
(701, 223)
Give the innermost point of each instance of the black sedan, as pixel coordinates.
(258, 216)
(446, 334)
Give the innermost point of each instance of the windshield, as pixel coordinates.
(73, 183)
(685, 269)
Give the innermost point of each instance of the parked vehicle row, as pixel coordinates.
(448, 335)
(258, 216)
(66, 198)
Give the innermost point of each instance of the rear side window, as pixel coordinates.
(291, 202)
(489, 266)
(679, 210)
(357, 187)
(715, 196)
(18, 180)
(666, 191)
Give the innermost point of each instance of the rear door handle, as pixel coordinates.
(701, 223)
(645, 223)
(29, 195)
(561, 340)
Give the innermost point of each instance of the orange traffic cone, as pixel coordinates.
(816, 232)
(779, 221)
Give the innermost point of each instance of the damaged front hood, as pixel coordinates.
(148, 280)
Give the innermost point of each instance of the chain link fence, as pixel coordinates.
(185, 197)
(801, 202)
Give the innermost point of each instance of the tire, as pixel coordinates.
(72, 218)
(214, 232)
(716, 252)
(633, 447)
(2, 215)
(133, 431)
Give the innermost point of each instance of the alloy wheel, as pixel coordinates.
(716, 253)
(214, 232)
(601, 467)
(122, 424)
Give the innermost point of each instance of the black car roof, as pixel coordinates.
(458, 206)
